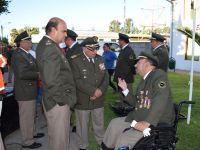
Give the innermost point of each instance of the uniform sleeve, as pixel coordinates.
(130, 99)
(160, 98)
(51, 71)
(80, 82)
(130, 57)
(105, 81)
(21, 68)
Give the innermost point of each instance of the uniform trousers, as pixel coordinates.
(82, 124)
(1, 143)
(121, 95)
(26, 121)
(115, 136)
(58, 124)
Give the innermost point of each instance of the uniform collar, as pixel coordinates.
(88, 57)
(24, 50)
(73, 44)
(145, 76)
(124, 46)
(158, 47)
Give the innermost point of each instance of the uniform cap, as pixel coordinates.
(124, 37)
(71, 34)
(22, 36)
(144, 55)
(157, 37)
(91, 42)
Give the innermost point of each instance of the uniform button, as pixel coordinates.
(96, 80)
(30, 84)
(68, 91)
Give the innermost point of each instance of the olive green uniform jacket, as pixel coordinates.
(88, 80)
(58, 84)
(163, 57)
(26, 75)
(74, 50)
(125, 68)
(153, 100)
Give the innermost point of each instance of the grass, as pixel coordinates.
(189, 135)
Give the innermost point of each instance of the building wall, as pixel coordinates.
(182, 17)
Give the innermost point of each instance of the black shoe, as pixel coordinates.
(74, 129)
(33, 146)
(38, 135)
(81, 149)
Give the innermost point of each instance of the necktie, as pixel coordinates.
(91, 63)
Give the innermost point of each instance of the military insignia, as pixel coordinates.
(74, 56)
(162, 84)
(48, 42)
(131, 57)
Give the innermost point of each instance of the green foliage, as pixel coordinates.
(31, 30)
(114, 26)
(188, 32)
(4, 6)
(188, 134)
(128, 25)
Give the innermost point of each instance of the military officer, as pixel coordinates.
(160, 50)
(152, 102)
(125, 63)
(25, 88)
(91, 80)
(73, 47)
(59, 92)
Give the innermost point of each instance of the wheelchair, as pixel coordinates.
(163, 136)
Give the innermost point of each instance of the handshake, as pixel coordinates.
(146, 131)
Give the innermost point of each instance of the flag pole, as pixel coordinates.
(192, 64)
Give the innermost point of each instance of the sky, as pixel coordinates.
(84, 14)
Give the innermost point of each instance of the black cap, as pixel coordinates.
(157, 37)
(91, 42)
(22, 36)
(71, 34)
(152, 58)
(124, 37)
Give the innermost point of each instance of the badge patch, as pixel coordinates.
(131, 57)
(162, 84)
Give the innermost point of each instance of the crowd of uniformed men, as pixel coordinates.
(76, 79)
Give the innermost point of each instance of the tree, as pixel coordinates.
(4, 6)
(31, 30)
(114, 26)
(188, 32)
(128, 25)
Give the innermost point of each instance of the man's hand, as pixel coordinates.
(97, 94)
(141, 125)
(122, 84)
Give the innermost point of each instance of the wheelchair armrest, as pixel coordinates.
(186, 102)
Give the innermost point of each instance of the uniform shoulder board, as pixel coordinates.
(75, 56)
(48, 42)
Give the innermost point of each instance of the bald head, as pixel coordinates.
(56, 28)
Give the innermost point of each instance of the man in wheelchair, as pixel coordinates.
(153, 105)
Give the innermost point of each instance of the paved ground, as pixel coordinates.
(13, 141)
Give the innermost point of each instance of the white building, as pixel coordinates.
(182, 46)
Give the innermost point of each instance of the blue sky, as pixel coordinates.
(84, 14)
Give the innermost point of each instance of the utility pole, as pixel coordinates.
(124, 16)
